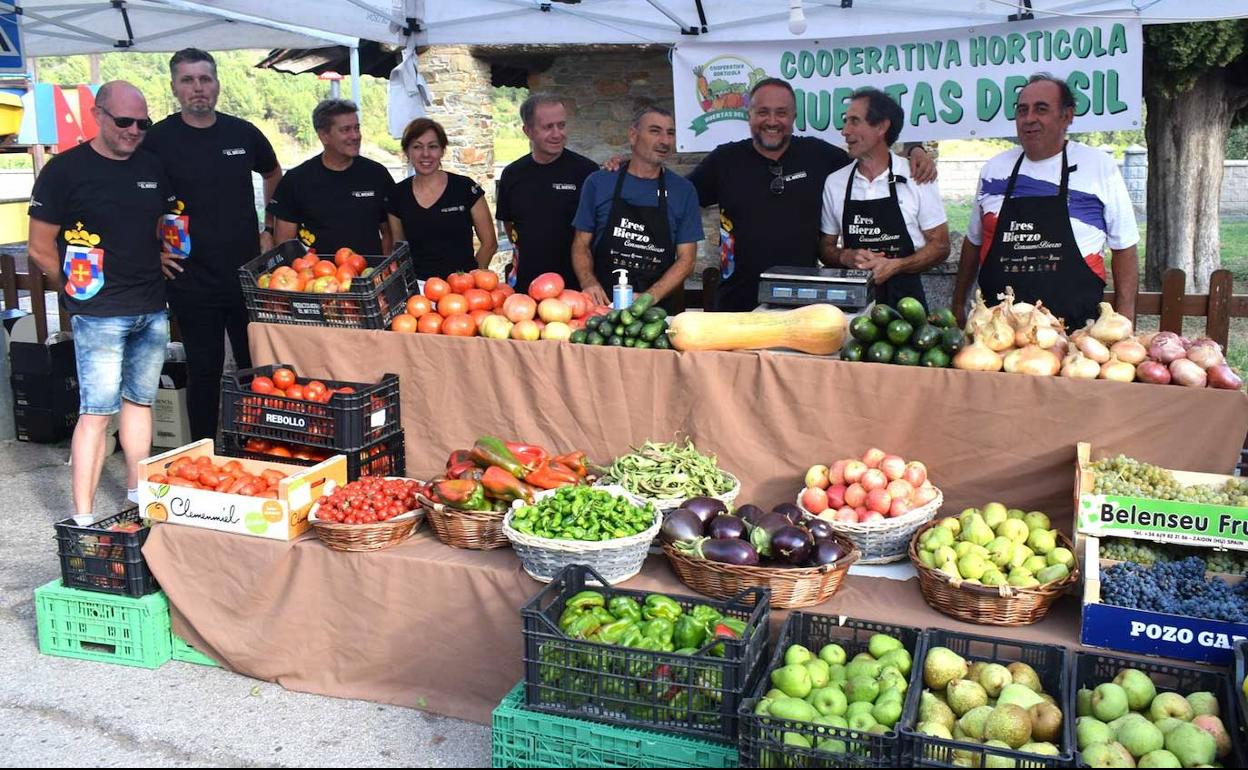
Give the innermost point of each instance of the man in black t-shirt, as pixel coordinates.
(210, 157)
(94, 217)
(769, 190)
(538, 194)
(338, 198)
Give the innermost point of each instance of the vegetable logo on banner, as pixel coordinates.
(954, 83)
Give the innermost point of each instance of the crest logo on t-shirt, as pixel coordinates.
(306, 236)
(83, 264)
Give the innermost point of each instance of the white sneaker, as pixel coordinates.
(133, 495)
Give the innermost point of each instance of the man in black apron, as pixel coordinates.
(876, 232)
(1034, 248)
(634, 228)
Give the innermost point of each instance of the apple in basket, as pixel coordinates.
(874, 487)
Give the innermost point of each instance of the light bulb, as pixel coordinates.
(797, 17)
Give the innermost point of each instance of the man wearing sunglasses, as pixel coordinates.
(95, 214)
(769, 190)
(210, 157)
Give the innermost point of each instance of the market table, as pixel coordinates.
(769, 415)
(422, 624)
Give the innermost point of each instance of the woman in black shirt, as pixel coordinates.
(436, 212)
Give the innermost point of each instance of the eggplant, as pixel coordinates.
(682, 525)
(750, 513)
(826, 552)
(792, 512)
(791, 545)
(705, 508)
(819, 529)
(726, 527)
(736, 552)
(764, 529)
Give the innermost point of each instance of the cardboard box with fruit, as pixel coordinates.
(250, 497)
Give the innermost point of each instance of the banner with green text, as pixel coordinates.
(952, 84)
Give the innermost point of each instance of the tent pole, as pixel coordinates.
(355, 74)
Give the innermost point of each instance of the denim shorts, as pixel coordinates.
(119, 357)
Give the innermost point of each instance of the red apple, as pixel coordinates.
(853, 471)
(817, 476)
(847, 515)
(874, 478)
(924, 495)
(893, 466)
(836, 473)
(915, 473)
(879, 500)
(814, 500)
(836, 496)
(899, 508)
(867, 517)
(873, 457)
(855, 495)
(900, 490)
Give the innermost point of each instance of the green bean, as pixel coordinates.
(673, 470)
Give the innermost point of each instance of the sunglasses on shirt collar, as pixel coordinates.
(144, 123)
(777, 182)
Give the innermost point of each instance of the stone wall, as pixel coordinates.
(462, 93)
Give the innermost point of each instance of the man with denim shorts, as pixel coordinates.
(94, 221)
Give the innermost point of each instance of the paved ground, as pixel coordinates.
(72, 713)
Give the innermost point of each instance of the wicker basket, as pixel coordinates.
(473, 530)
(667, 504)
(988, 605)
(365, 537)
(790, 586)
(885, 541)
(616, 560)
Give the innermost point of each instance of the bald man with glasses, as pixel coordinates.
(95, 217)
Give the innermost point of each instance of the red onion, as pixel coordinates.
(1206, 353)
(1166, 347)
(1153, 372)
(1187, 373)
(1222, 376)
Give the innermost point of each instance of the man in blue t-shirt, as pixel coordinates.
(642, 218)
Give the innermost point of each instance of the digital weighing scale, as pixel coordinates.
(850, 290)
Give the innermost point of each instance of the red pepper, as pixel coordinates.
(458, 457)
(552, 476)
(460, 493)
(530, 455)
(574, 461)
(493, 451)
(501, 485)
(461, 469)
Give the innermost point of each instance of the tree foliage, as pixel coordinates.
(1176, 55)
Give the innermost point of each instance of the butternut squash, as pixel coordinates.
(816, 329)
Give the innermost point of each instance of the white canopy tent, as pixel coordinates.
(502, 22)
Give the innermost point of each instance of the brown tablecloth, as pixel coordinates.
(769, 416)
(421, 624)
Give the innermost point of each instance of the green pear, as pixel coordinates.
(1139, 688)
(944, 554)
(950, 568)
(979, 533)
(1015, 513)
(1090, 730)
(775, 693)
(882, 644)
(974, 721)
(832, 654)
(1010, 724)
(1083, 702)
(969, 516)
(1140, 737)
(994, 677)
(1204, 702)
(1037, 520)
(1025, 675)
(1015, 530)
(1052, 573)
(994, 578)
(797, 739)
(946, 533)
(836, 674)
(935, 711)
(996, 760)
(863, 722)
(887, 712)
(1023, 579)
(1112, 754)
(793, 679)
(862, 689)
(868, 668)
(1170, 704)
(1192, 745)
(1035, 563)
(1042, 541)
(762, 708)
(1021, 554)
(795, 709)
(900, 658)
(963, 695)
(829, 701)
(1109, 702)
(1160, 758)
(973, 566)
(1045, 748)
(1061, 556)
(943, 666)
(1001, 551)
(1166, 724)
(797, 654)
(820, 673)
(995, 514)
(1020, 695)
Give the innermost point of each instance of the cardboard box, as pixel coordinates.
(1165, 521)
(43, 426)
(1151, 633)
(282, 519)
(46, 391)
(37, 358)
(171, 425)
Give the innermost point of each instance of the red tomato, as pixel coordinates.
(478, 317)
(357, 263)
(428, 324)
(460, 282)
(546, 286)
(279, 451)
(499, 296)
(306, 261)
(345, 389)
(324, 268)
(453, 304)
(296, 392)
(479, 299)
(283, 379)
(485, 279)
(343, 256)
(436, 289)
(418, 305)
(459, 325)
(344, 276)
(403, 322)
(262, 384)
(314, 390)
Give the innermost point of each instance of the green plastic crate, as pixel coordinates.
(523, 738)
(103, 627)
(187, 654)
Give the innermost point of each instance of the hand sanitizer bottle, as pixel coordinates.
(622, 293)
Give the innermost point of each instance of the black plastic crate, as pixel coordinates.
(1052, 664)
(690, 694)
(1093, 668)
(381, 458)
(94, 559)
(58, 393)
(1241, 702)
(761, 740)
(346, 422)
(37, 358)
(43, 426)
(372, 302)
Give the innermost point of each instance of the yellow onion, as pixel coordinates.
(977, 357)
(1093, 348)
(1111, 326)
(1033, 360)
(1119, 371)
(1080, 367)
(980, 313)
(997, 334)
(1129, 350)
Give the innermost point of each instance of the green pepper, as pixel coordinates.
(613, 632)
(583, 626)
(659, 606)
(625, 607)
(631, 637)
(686, 651)
(649, 643)
(604, 617)
(586, 599)
(689, 632)
(659, 628)
(569, 615)
(707, 616)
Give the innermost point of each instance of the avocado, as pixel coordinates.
(912, 310)
(936, 358)
(882, 315)
(899, 332)
(854, 350)
(864, 330)
(880, 353)
(907, 356)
